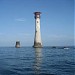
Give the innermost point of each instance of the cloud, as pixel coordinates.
(20, 19)
(59, 37)
(23, 34)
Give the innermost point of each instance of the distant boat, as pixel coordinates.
(54, 47)
(66, 48)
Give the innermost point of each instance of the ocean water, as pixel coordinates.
(36, 61)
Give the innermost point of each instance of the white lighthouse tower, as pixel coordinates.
(37, 38)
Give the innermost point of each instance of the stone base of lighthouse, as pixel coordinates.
(17, 44)
(37, 45)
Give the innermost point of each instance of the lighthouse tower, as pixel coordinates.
(37, 38)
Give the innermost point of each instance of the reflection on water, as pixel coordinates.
(38, 60)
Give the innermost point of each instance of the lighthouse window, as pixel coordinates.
(37, 21)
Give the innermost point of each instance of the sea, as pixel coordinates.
(37, 61)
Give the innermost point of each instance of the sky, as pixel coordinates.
(17, 22)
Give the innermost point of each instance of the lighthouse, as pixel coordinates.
(37, 38)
